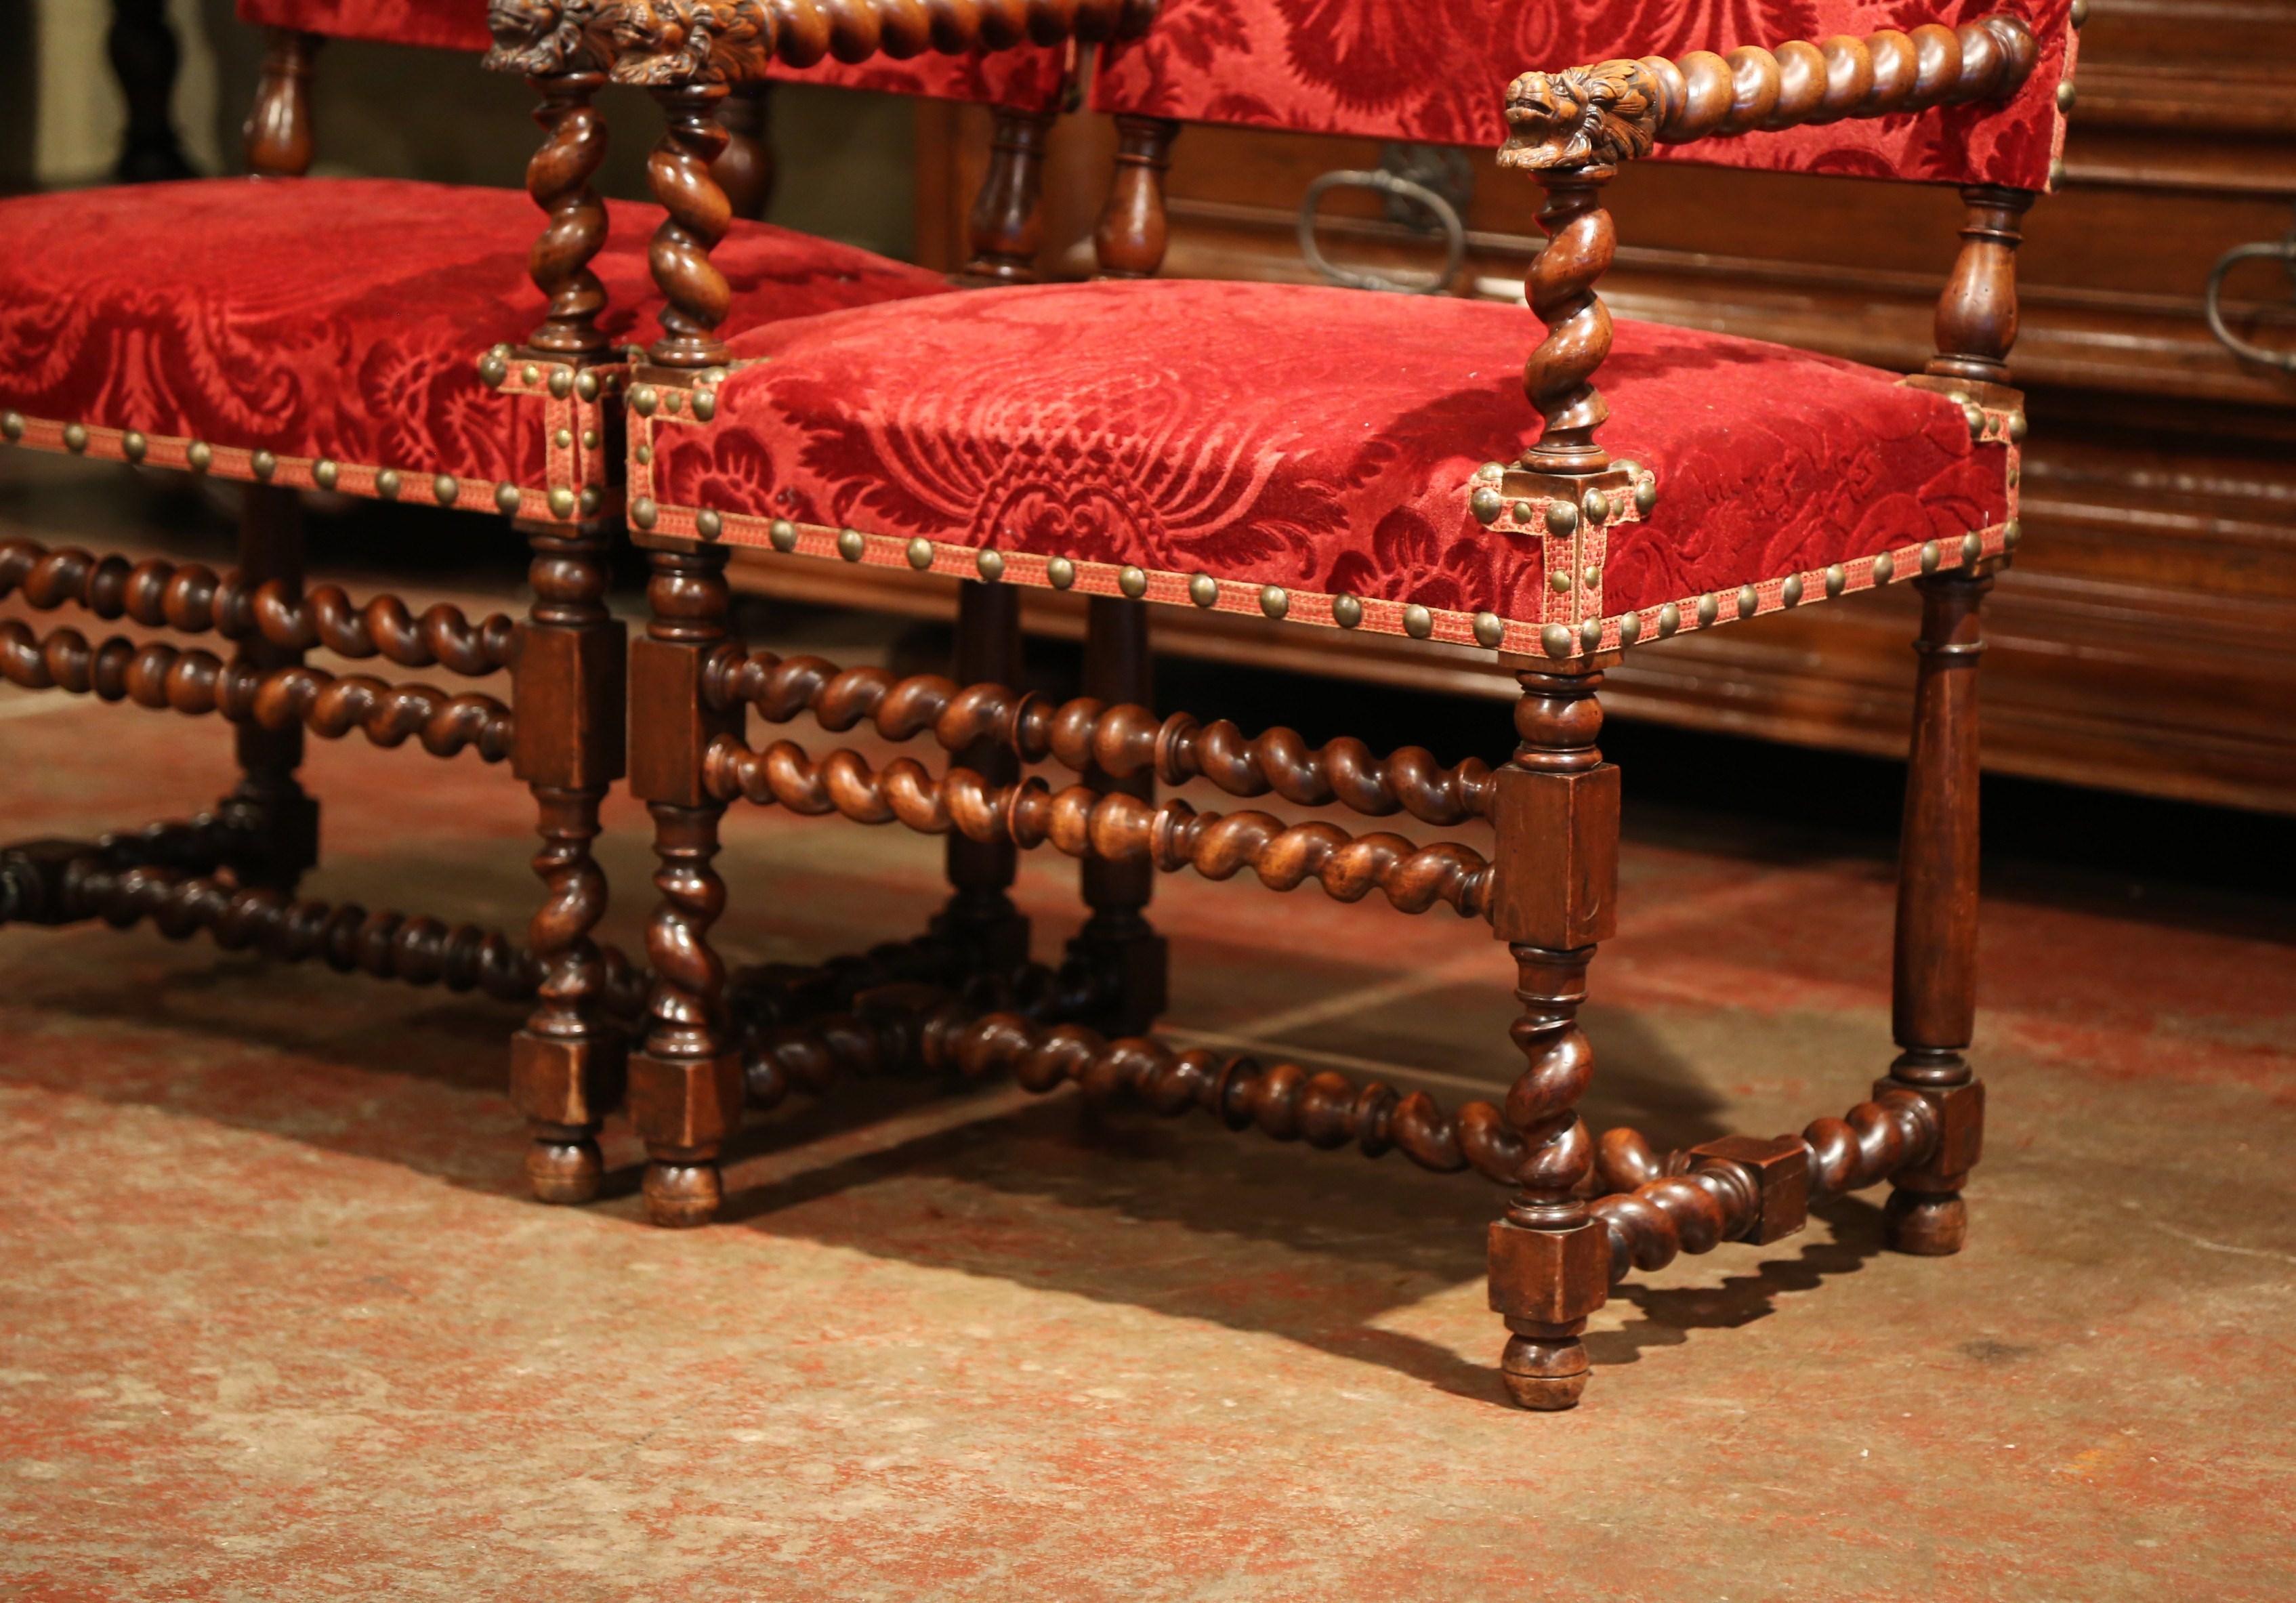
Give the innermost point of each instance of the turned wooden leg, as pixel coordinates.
(145, 58)
(1118, 957)
(979, 918)
(1007, 225)
(1935, 1000)
(685, 1088)
(272, 822)
(567, 1065)
(1555, 887)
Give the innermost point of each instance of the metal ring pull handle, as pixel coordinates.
(1455, 232)
(2213, 300)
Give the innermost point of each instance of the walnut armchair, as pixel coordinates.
(1329, 458)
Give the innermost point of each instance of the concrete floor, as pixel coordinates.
(275, 1321)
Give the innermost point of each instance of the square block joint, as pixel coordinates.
(1549, 1277)
(1960, 1111)
(1557, 861)
(1779, 1168)
(554, 1081)
(686, 1104)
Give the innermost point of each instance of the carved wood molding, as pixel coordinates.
(1590, 119)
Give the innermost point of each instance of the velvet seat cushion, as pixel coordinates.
(1317, 454)
(340, 321)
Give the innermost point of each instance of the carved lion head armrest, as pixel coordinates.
(1575, 129)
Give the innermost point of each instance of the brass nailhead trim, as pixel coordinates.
(1973, 546)
(672, 402)
(1524, 512)
(564, 438)
(1669, 620)
(709, 525)
(1790, 591)
(445, 488)
(561, 383)
(1488, 631)
(507, 498)
(1418, 622)
(1975, 416)
(714, 376)
(2018, 428)
(1203, 589)
(587, 386)
(562, 503)
(1487, 504)
(646, 456)
(1645, 494)
(644, 399)
(850, 544)
(1559, 582)
(1596, 507)
(1273, 601)
(1708, 610)
(1132, 581)
(1555, 639)
(991, 565)
(1061, 572)
(1346, 612)
(705, 405)
(2066, 95)
(325, 474)
(2012, 533)
(12, 424)
(1630, 628)
(643, 512)
(1590, 634)
(133, 445)
(263, 463)
(1490, 472)
(1929, 556)
(784, 535)
(1750, 601)
(921, 553)
(386, 483)
(1885, 568)
(493, 369)
(1561, 518)
(1836, 581)
(529, 374)
(75, 437)
(593, 499)
(589, 439)
(1592, 578)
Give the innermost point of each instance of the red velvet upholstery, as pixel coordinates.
(335, 318)
(1325, 441)
(1438, 69)
(1027, 78)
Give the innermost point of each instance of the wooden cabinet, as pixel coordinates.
(2147, 639)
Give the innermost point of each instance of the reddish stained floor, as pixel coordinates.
(275, 1322)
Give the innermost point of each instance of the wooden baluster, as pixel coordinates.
(568, 1063)
(1935, 1010)
(980, 918)
(679, 171)
(1118, 952)
(1581, 242)
(746, 170)
(1008, 219)
(1133, 230)
(1977, 316)
(558, 177)
(273, 822)
(685, 1089)
(1555, 898)
(277, 135)
(145, 58)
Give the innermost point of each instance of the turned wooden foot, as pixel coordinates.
(1928, 1226)
(565, 1170)
(680, 1195)
(1544, 1371)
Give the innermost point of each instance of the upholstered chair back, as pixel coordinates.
(1437, 71)
(1027, 78)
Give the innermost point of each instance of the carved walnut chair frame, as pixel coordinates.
(1583, 1211)
(232, 874)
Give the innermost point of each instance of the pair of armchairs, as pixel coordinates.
(1320, 458)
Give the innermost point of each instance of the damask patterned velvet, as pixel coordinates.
(1436, 71)
(1027, 78)
(337, 319)
(1321, 440)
